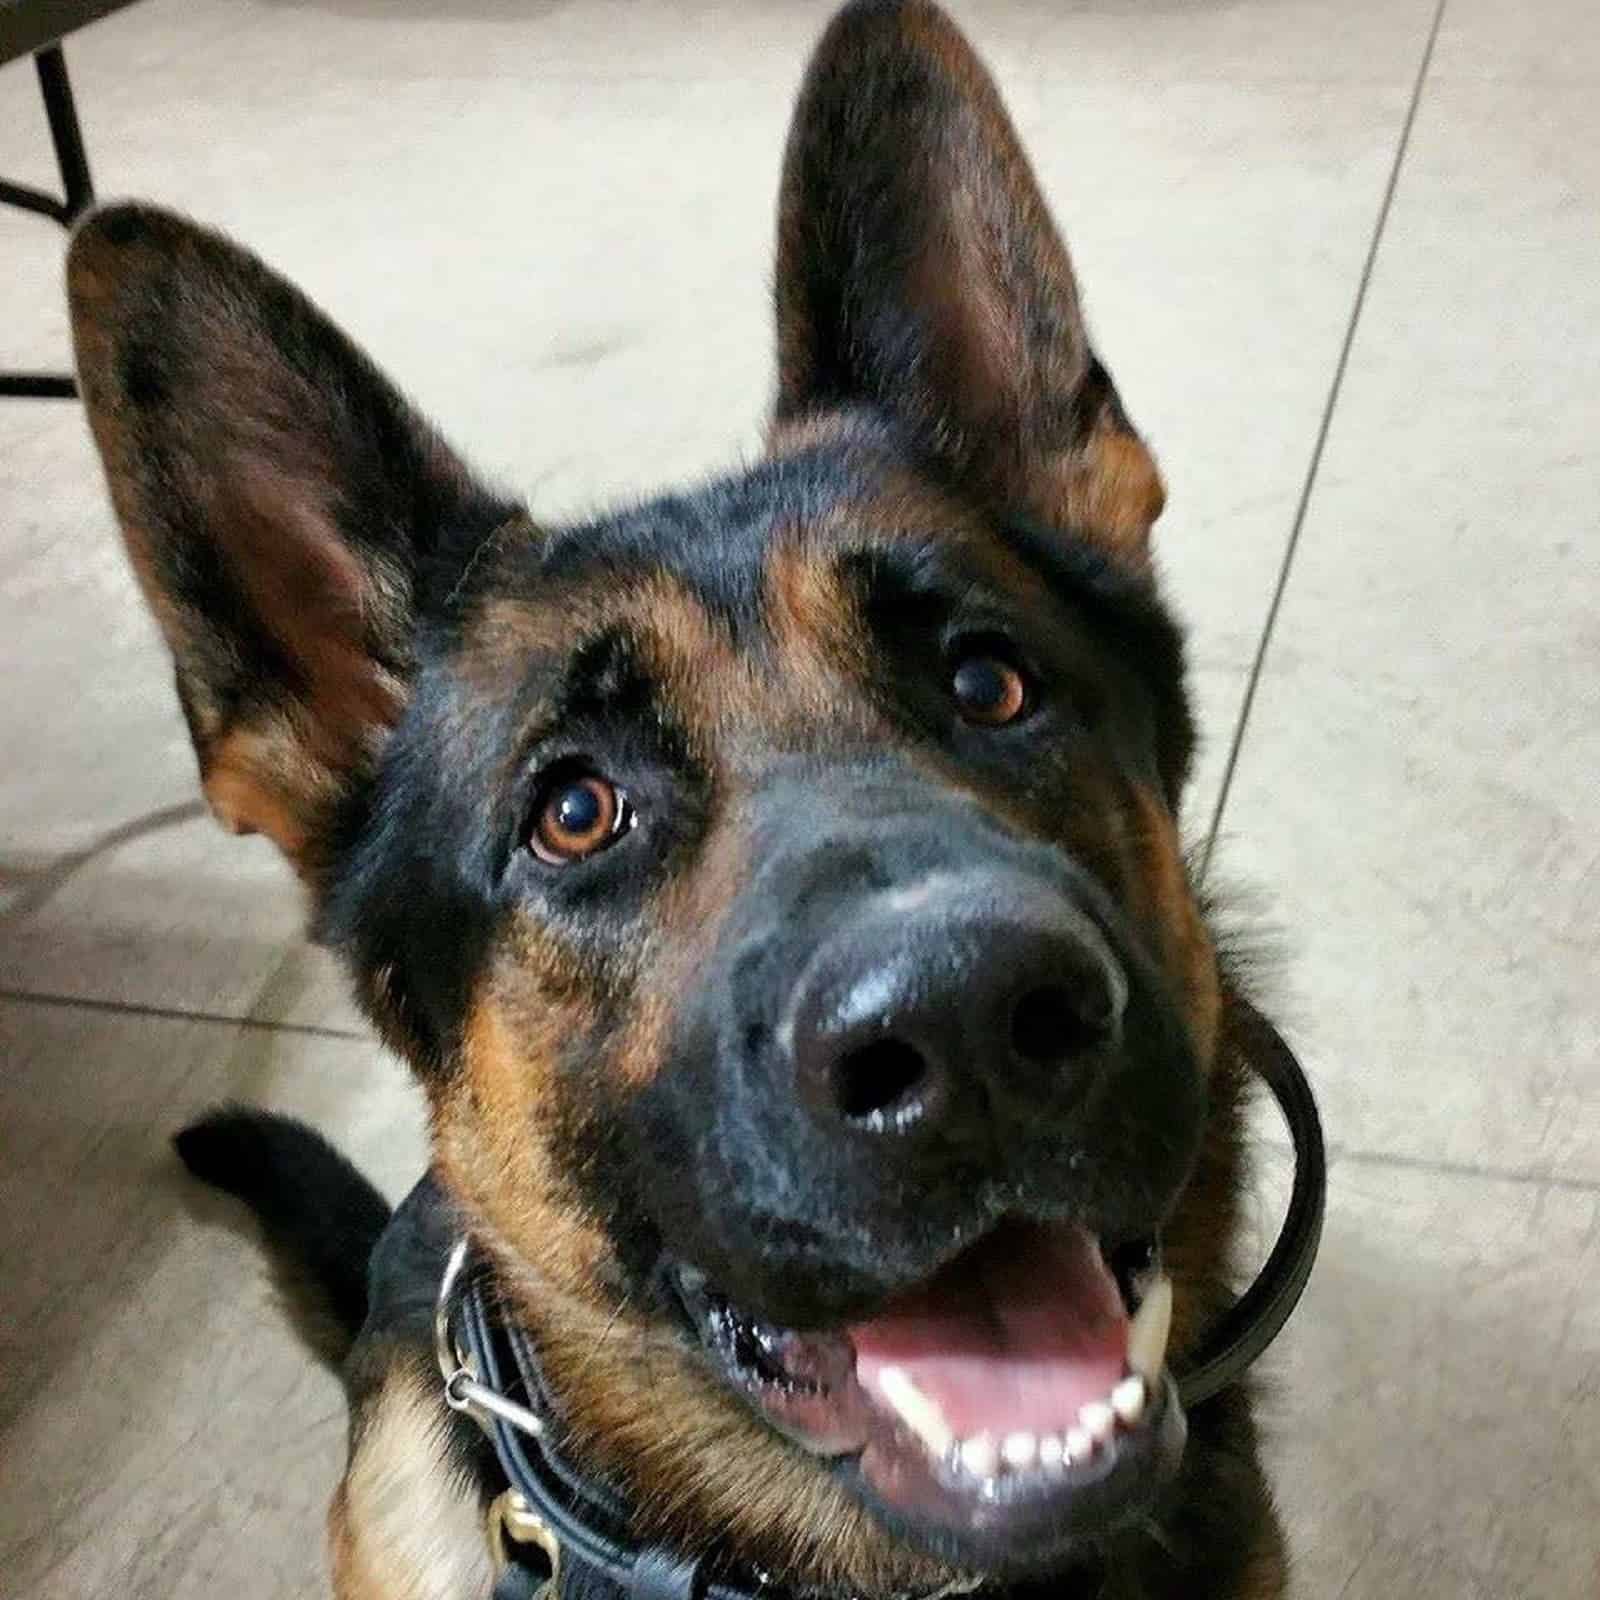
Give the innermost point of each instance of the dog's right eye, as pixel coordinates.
(987, 689)
(577, 814)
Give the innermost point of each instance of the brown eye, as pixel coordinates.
(988, 691)
(577, 816)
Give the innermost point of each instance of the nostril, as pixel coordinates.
(881, 1084)
(1052, 1023)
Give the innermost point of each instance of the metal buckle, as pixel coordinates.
(512, 1521)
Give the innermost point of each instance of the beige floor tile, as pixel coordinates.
(163, 1430)
(1236, 41)
(1433, 1411)
(1540, 41)
(767, 40)
(1417, 790)
(180, 916)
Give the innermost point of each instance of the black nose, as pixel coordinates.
(939, 1006)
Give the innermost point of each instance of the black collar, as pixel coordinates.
(561, 1535)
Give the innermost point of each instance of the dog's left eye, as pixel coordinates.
(577, 814)
(988, 689)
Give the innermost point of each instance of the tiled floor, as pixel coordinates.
(537, 212)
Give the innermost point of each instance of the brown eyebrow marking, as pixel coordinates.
(505, 630)
(819, 643)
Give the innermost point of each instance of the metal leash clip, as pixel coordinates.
(464, 1389)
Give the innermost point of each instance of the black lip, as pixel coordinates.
(804, 1387)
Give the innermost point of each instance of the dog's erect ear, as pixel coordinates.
(281, 503)
(919, 270)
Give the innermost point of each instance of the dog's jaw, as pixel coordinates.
(1002, 1413)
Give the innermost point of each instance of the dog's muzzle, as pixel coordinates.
(568, 1532)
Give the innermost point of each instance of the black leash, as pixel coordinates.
(558, 1534)
(1256, 1318)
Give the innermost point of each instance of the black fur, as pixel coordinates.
(311, 1201)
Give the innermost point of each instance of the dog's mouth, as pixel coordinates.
(999, 1414)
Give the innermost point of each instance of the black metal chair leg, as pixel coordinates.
(67, 137)
(65, 133)
(37, 386)
(20, 196)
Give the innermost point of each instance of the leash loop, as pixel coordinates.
(1239, 1336)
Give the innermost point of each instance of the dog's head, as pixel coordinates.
(776, 887)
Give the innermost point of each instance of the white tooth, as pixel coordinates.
(979, 1455)
(1147, 1337)
(1052, 1451)
(1127, 1399)
(1018, 1450)
(1097, 1419)
(919, 1412)
(1079, 1446)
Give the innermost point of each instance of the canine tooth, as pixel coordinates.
(1079, 1446)
(1147, 1337)
(1018, 1450)
(1097, 1419)
(980, 1456)
(1052, 1451)
(919, 1412)
(1127, 1399)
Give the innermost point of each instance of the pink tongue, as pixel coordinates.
(1016, 1335)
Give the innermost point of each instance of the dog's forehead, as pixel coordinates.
(738, 561)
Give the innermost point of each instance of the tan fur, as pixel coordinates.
(403, 1525)
(818, 638)
(815, 430)
(1161, 879)
(258, 779)
(280, 773)
(492, 1123)
(507, 629)
(687, 915)
(1198, 1239)
(1112, 493)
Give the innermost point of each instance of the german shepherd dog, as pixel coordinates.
(776, 889)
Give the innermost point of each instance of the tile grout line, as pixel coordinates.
(1319, 445)
(134, 1008)
(1526, 1177)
